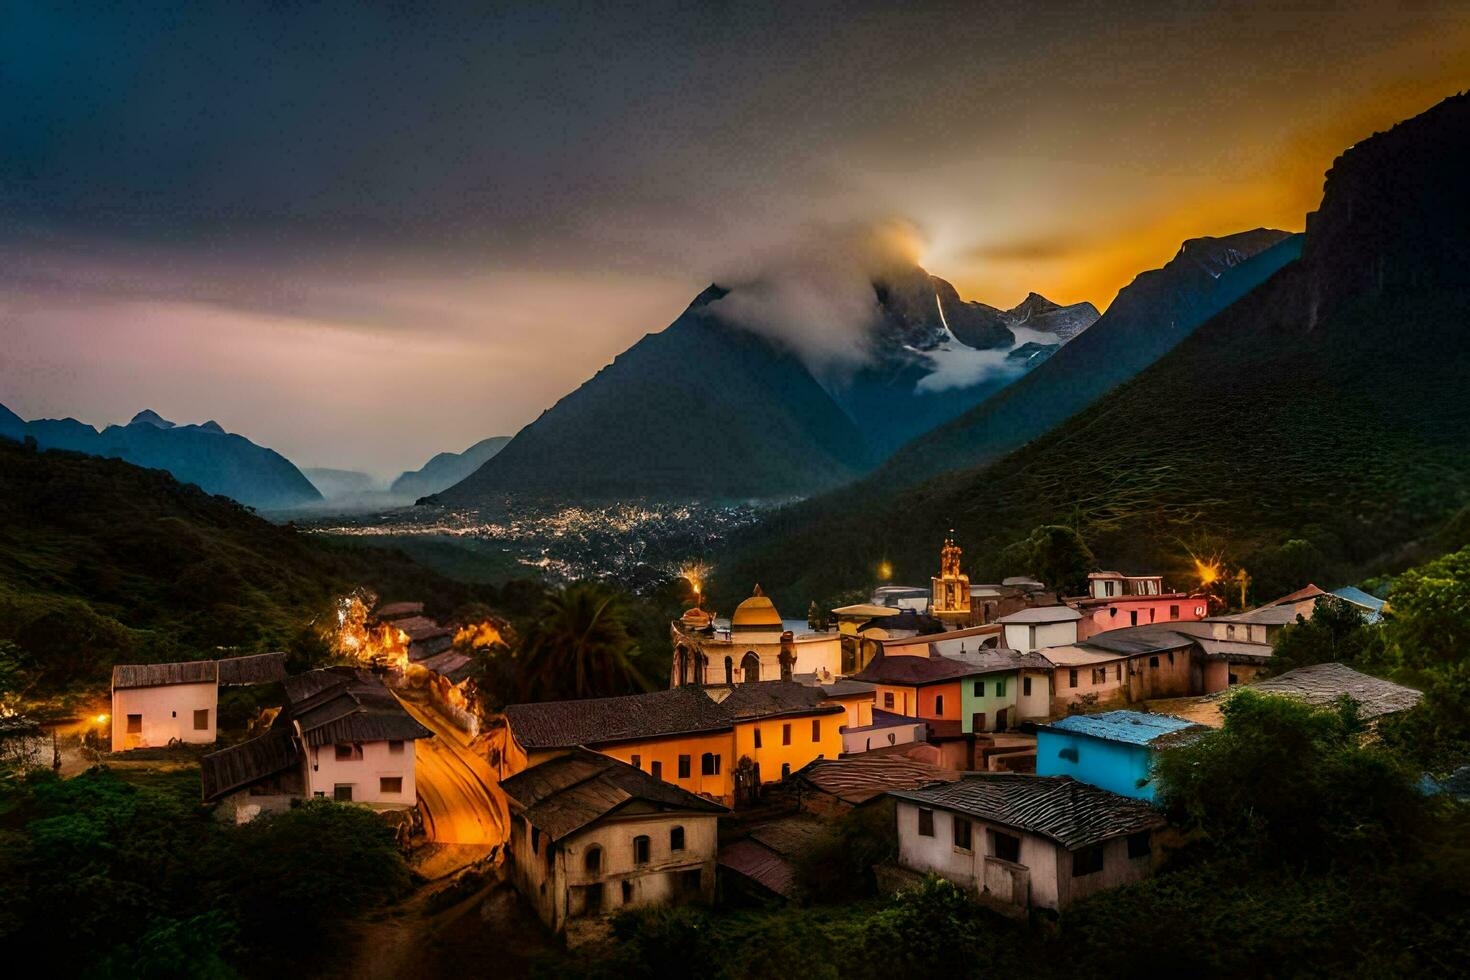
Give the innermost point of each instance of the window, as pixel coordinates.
(592, 860)
(135, 724)
(391, 785)
(757, 736)
(1069, 753)
(1000, 688)
(1026, 686)
(342, 792)
(978, 689)
(729, 670)
(926, 822)
(1119, 672)
(658, 769)
(1173, 612)
(887, 703)
(939, 704)
(1171, 656)
(1072, 677)
(640, 849)
(1139, 844)
(977, 721)
(201, 720)
(785, 769)
(627, 892)
(1087, 861)
(709, 764)
(636, 762)
(683, 767)
(1099, 675)
(1006, 846)
(962, 833)
(786, 734)
(1153, 661)
(676, 839)
(1133, 617)
(395, 746)
(816, 729)
(348, 750)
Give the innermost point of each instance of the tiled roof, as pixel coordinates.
(1071, 813)
(1264, 616)
(769, 699)
(346, 705)
(1042, 614)
(238, 766)
(1136, 640)
(1078, 656)
(859, 779)
(598, 721)
(1130, 727)
(1300, 595)
(914, 671)
(997, 659)
(790, 836)
(450, 664)
(261, 668)
(884, 719)
(760, 864)
(1324, 683)
(165, 675)
(565, 794)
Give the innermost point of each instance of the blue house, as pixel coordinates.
(1113, 750)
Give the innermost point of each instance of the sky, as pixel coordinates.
(363, 234)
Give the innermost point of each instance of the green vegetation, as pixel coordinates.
(131, 877)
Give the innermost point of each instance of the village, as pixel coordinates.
(1006, 736)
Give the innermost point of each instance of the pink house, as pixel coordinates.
(1116, 601)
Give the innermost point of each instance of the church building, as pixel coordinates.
(756, 645)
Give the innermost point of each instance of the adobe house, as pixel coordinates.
(1039, 627)
(1114, 750)
(1023, 841)
(154, 705)
(591, 835)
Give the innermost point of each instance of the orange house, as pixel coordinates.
(781, 726)
(919, 687)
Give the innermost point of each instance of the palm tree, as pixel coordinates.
(579, 646)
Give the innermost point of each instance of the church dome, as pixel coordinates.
(756, 613)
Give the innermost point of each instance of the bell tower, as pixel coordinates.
(949, 599)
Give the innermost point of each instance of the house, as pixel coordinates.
(1108, 585)
(886, 729)
(1039, 627)
(678, 735)
(1114, 750)
(849, 618)
(341, 734)
(925, 687)
(855, 697)
(1023, 841)
(1009, 687)
(829, 788)
(779, 726)
(1102, 614)
(757, 645)
(763, 862)
(1143, 663)
(154, 705)
(591, 835)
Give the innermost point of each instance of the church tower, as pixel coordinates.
(949, 600)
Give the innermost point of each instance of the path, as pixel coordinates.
(458, 794)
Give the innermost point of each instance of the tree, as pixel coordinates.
(1336, 633)
(1055, 554)
(579, 647)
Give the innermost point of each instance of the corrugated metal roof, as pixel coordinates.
(238, 766)
(565, 794)
(1071, 813)
(1130, 727)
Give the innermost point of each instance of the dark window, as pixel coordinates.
(135, 723)
(926, 822)
(592, 900)
(1173, 612)
(1026, 686)
(729, 670)
(1119, 670)
(342, 792)
(640, 849)
(344, 751)
(636, 762)
(676, 839)
(786, 734)
(1069, 753)
(785, 769)
(684, 766)
(1072, 678)
(977, 721)
(658, 769)
(593, 860)
(1007, 847)
(816, 729)
(395, 746)
(709, 764)
(627, 892)
(887, 703)
(939, 704)
(1087, 861)
(691, 882)
(1153, 661)
(1000, 688)
(201, 720)
(1099, 675)
(1139, 844)
(757, 736)
(1171, 656)
(1133, 617)
(390, 784)
(962, 833)
(978, 689)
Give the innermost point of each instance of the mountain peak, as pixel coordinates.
(149, 417)
(213, 426)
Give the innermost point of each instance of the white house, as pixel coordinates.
(757, 645)
(154, 705)
(590, 835)
(1039, 627)
(1025, 841)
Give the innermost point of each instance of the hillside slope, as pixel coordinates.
(102, 561)
(444, 470)
(1327, 406)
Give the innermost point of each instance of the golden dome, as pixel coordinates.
(756, 613)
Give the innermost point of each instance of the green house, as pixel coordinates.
(1012, 687)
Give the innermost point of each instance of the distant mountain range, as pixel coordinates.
(204, 455)
(446, 469)
(709, 408)
(1320, 421)
(336, 484)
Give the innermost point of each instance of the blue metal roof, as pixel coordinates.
(1358, 597)
(1132, 727)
